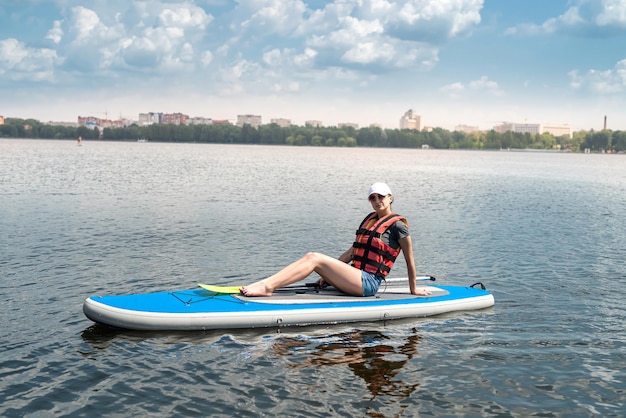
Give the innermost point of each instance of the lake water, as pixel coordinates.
(545, 232)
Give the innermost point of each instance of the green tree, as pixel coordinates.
(346, 141)
(271, 134)
(619, 141)
(493, 140)
(249, 135)
(598, 141)
(369, 137)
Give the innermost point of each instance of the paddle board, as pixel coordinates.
(222, 307)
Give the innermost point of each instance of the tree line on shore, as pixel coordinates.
(272, 134)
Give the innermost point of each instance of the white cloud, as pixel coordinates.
(281, 38)
(273, 57)
(56, 33)
(600, 17)
(271, 16)
(460, 14)
(187, 16)
(20, 62)
(206, 58)
(139, 52)
(286, 87)
(612, 13)
(388, 34)
(369, 52)
(151, 37)
(611, 81)
(355, 41)
(433, 21)
(289, 60)
(306, 59)
(88, 27)
(453, 90)
(482, 85)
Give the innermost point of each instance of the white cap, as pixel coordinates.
(379, 188)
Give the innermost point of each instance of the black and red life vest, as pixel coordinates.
(369, 252)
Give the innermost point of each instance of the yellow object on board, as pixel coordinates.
(220, 289)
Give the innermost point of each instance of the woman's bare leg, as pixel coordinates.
(337, 273)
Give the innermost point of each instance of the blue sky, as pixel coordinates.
(473, 62)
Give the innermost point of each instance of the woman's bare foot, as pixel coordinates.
(256, 289)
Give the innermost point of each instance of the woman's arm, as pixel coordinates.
(407, 249)
(346, 257)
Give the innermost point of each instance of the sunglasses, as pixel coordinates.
(373, 197)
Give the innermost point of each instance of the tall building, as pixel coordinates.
(252, 120)
(149, 118)
(174, 118)
(411, 120)
(283, 123)
(1, 120)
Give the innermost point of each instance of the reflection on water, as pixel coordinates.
(100, 337)
(371, 355)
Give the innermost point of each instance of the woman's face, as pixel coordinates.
(380, 202)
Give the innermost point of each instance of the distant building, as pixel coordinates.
(525, 128)
(92, 121)
(174, 118)
(411, 120)
(252, 120)
(199, 121)
(283, 123)
(466, 128)
(313, 123)
(557, 130)
(348, 125)
(221, 122)
(1, 120)
(88, 120)
(149, 118)
(66, 124)
(128, 121)
(534, 128)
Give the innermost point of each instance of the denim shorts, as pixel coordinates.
(371, 283)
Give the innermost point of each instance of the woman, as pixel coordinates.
(361, 268)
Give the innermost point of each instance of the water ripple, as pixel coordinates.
(542, 231)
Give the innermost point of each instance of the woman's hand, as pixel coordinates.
(420, 292)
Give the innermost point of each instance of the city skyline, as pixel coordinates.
(409, 120)
(468, 62)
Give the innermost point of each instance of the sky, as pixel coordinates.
(470, 62)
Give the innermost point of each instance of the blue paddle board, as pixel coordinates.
(222, 308)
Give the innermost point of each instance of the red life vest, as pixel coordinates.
(369, 252)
